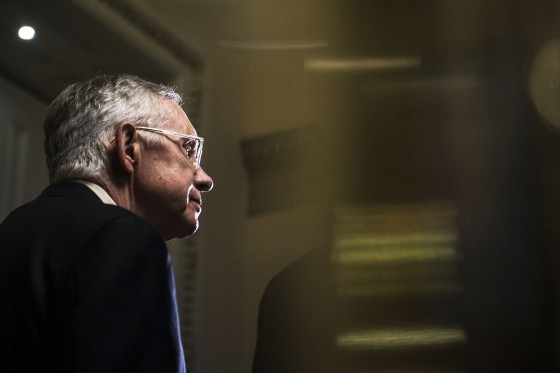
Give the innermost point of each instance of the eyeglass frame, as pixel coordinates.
(197, 139)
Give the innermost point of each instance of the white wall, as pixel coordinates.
(23, 171)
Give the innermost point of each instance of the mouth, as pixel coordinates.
(197, 200)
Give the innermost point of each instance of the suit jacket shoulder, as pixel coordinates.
(85, 287)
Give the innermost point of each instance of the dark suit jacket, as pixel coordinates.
(85, 287)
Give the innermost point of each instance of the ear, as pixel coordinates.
(127, 146)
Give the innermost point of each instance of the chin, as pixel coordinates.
(190, 222)
(184, 230)
(193, 230)
(190, 228)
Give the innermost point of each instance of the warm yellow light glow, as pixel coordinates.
(404, 238)
(396, 250)
(401, 338)
(273, 44)
(26, 32)
(391, 252)
(362, 64)
(400, 288)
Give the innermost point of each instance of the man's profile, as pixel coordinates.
(86, 279)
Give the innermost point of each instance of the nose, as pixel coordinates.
(202, 181)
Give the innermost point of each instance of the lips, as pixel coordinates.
(196, 199)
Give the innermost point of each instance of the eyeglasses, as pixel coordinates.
(192, 145)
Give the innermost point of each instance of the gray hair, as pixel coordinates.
(82, 119)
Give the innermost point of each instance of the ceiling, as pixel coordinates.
(70, 45)
(79, 38)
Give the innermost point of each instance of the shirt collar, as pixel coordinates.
(100, 192)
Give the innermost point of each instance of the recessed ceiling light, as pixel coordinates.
(26, 32)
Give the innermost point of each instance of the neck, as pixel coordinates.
(119, 192)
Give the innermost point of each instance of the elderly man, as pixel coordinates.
(85, 277)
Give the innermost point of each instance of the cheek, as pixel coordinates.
(169, 177)
(174, 177)
(174, 188)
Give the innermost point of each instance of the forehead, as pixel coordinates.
(179, 122)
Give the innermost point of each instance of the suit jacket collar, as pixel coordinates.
(70, 189)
